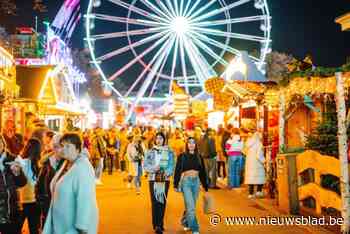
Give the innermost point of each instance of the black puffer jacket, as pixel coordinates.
(9, 183)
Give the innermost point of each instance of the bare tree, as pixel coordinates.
(39, 6)
(277, 66)
(8, 7)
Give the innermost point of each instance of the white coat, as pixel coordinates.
(73, 204)
(254, 166)
(132, 153)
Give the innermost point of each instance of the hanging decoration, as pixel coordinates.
(312, 86)
(310, 104)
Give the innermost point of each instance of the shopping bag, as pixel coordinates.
(208, 204)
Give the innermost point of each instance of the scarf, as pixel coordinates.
(162, 159)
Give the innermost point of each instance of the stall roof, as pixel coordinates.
(35, 83)
(344, 21)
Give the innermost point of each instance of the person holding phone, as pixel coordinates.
(29, 161)
(11, 178)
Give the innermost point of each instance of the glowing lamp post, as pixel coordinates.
(237, 65)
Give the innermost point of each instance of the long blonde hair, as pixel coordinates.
(2, 138)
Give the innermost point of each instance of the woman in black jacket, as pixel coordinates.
(50, 165)
(11, 178)
(189, 174)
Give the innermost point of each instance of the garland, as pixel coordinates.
(316, 72)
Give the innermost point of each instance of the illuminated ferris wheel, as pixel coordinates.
(146, 43)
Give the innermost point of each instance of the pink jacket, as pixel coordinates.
(234, 146)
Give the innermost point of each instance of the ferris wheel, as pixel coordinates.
(147, 43)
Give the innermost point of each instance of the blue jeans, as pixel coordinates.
(99, 169)
(137, 178)
(190, 190)
(235, 165)
(210, 168)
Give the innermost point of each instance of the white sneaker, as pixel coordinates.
(259, 194)
(195, 232)
(98, 181)
(187, 229)
(251, 196)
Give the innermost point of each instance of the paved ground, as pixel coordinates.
(122, 211)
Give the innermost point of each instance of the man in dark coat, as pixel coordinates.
(207, 150)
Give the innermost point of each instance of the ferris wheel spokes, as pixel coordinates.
(148, 80)
(194, 6)
(200, 10)
(139, 11)
(137, 58)
(128, 47)
(181, 7)
(125, 33)
(173, 66)
(198, 63)
(231, 35)
(183, 63)
(222, 46)
(176, 8)
(223, 9)
(165, 8)
(218, 44)
(170, 6)
(161, 68)
(117, 19)
(186, 8)
(209, 51)
(232, 21)
(182, 40)
(151, 6)
(146, 69)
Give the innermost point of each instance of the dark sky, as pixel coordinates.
(298, 27)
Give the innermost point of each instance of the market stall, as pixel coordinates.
(8, 87)
(47, 94)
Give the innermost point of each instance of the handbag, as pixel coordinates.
(160, 177)
(208, 204)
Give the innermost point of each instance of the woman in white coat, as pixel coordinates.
(73, 208)
(254, 167)
(136, 153)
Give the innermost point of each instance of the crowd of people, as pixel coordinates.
(49, 178)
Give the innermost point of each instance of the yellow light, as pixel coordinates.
(237, 65)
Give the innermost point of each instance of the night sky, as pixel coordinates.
(298, 27)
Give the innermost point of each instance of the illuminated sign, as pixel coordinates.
(31, 61)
